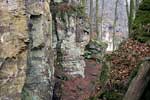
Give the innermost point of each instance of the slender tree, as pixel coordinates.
(83, 3)
(101, 20)
(127, 8)
(130, 16)
(97, 18)
(91, 17)
(114, 24)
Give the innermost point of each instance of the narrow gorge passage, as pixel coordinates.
(83, 88)
(74, 49)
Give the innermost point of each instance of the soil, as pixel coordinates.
(82, 88)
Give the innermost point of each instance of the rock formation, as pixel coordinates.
(13, 48)
(39, 73)
(35, 33)
(26, 60)
(70, 36)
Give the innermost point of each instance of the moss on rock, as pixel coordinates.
(141, 24)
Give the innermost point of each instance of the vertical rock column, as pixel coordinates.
(73, 48)
(39, 81)
(70, 36)
(13, 48)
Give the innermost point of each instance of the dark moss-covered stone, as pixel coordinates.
(145, 5)
(141, 24)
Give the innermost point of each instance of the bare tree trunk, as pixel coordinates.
(101, 20)
(91, 17)
(130, 16)
(139, 83)
(83, 3)
(114, 24)
(97, 18)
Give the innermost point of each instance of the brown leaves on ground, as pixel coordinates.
(126, 58)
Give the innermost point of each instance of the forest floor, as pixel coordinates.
(123, 68)
(125, 60)
(124, 65)
(83, 88)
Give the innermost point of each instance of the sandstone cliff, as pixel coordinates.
(26, 61)
(35, 34)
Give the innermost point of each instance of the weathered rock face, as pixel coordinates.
(39, 81)
(13, 48)
(26, 60)
(26, 57)
(69, 37)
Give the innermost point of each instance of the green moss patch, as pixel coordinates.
(141, 24)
